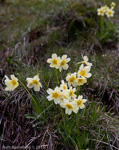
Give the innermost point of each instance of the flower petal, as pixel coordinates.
(37, 88)
(88, 75)
(54, 55)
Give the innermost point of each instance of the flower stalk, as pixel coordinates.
(28, 91)
(57, 76)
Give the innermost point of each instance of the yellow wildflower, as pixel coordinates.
(71, 78)
(113, 5)
(100, 11)
(34, 83)
(54, 61)
(110, 13)
(84, 71)
(85, 61)
(63, 63)
(79, 102)
(11, 84)
(81, 81)
(69, 107)
(55, 95)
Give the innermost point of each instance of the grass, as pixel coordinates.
(30, 32)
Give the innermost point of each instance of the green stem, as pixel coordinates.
(27, 91)
(77, 120)
(57, 76)
(44, 82)
(77, 90)
(101, 25)
(76, 67)
(110, 24)
(104, 2)
(63, 118)
(66, 120)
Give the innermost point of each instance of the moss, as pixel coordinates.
(73, 28)
(77, 8)
(90, 22)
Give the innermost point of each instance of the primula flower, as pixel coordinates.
(55, 95)
(110, 13)
(105, 8)
(79, 102)
(113, 5)
(71, 79)
(100, 11)
(11, 84)
(81, 81)
(84, 71)
(63, 63)
(34, 83)
(71, 92)
(63, 85)
(54, 61)
(69, 107)
(85, 61)
(64, 95)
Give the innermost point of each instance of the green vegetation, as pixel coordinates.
(30, 32)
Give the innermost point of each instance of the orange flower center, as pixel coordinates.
(69, 106)
(13, 82)
(55, 95)
(62, 62)
(79, 102)
(101, 11)
(72, 79)
(109, 12)
(71, 93)
(83, 73)
(35, 82)
(55, 61)
(105, 8)
(64, 87)
(80, 80)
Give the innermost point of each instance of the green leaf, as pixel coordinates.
(38, 123)
(30, 116)
(9, 61)
(36, 105)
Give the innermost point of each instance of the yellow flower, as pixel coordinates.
(113, 5)
(64, 95)
(105, 8)
(54, 61)
(79, 102)
(63, 85)
(100, 11)
(110, 13)
(63, 63)
(34, 83)
(69, 107)
(84, 71)
(81, 81)
(85, 61)
(71, 92)
(55, 95)
(11, 84)
(71, 79)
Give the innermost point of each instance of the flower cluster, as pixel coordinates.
(65, 94)
(59, 63)
(67, 98)
(105, 10)
(31, 83)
